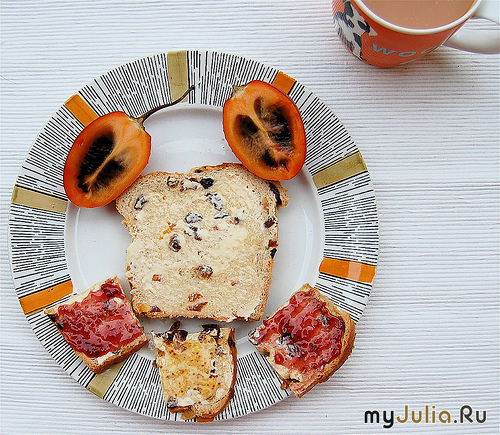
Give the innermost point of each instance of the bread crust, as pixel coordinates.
(100, 364)
(302, 382)
(223, 366)
(203, 242)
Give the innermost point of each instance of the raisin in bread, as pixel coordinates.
(99, 325)
(197, 371)
(306, 340)
(203, 242)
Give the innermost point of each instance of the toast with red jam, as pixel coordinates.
(99, 325)
(306, 340)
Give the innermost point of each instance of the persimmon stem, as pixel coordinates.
(142, 118)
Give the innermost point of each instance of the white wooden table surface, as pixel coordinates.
(429, 133)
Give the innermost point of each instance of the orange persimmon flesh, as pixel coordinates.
(106, 158)
(264, 128)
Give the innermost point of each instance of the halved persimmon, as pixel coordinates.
(264, 129)
(107, 157)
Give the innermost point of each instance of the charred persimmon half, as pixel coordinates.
(263, 127)
(107, 157)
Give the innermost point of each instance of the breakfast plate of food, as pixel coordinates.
(193, 236)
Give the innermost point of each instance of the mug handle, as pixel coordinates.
(470, 40)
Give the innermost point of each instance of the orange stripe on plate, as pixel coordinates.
(352, 270)
(284, 82)
(39, 300)
(80, 109)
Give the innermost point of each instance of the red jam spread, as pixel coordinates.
(102, 322)
(305, 335)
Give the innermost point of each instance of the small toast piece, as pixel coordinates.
(99, 325)
(306, 340)
(203, 242)
(197, 371)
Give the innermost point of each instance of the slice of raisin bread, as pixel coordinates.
(203, 242)
(99, 325)
(306, 340)
(197, 371)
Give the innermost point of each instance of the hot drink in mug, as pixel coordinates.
(394, 32)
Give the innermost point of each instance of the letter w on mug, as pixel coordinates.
(393, 32)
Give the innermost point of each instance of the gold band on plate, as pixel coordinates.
(100, 383)
(348, 166)
(177, 67)
(39, 200)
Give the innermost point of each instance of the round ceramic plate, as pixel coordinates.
(328, 233)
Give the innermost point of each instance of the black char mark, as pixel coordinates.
(276, 193)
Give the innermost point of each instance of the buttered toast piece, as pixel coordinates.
(99, 325)
(306, 340)
(203, 242)
(197, 371)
